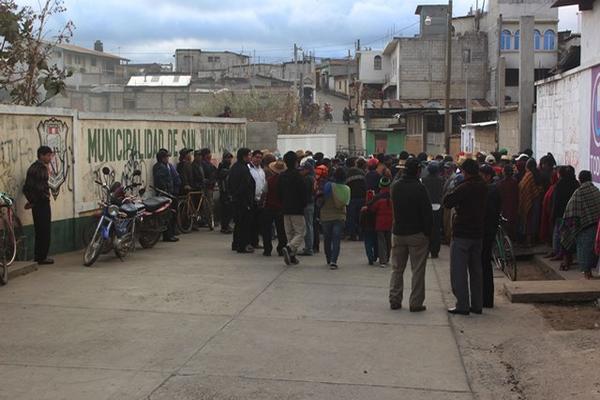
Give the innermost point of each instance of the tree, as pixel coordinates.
(25, 51)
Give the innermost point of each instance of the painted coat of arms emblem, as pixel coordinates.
(54, 134)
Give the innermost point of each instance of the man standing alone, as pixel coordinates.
(241, 189)
(37, 192)
(294, 197)
(413, 220)
(469, 201)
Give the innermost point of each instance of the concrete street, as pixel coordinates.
(193, 320)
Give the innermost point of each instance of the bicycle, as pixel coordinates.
(11, 234)
(190, 213)
(503, 254)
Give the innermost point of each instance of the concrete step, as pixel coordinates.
(553, 267)
(19, 268)
(552, 291)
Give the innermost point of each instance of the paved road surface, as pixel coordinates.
(338, 104)
(193, 320)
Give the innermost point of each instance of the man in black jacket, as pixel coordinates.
(468, 199)
(294, 198)
(241, 189)
(224, 198)
(413, 220)
(163, 180)
(492, 219)
(435, 186)
(185, 171)
(37, 192)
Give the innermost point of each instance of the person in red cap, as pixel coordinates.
(372, 177)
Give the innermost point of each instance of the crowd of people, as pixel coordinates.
(402, 207)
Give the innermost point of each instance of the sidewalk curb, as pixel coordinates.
(20, 268)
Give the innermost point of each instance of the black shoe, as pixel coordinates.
(435, 256)
(371, 262)
(294, 260)
(171, 239)
(47, 261)
(395, 306)
(333, 266)
(474, 311)
(226, 231)
(286, 256)
(267, 254)
(280, 252)
(418, 308)
(457, 311)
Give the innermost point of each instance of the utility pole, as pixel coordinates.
(349, 79)
(467, 61)
(447, 116)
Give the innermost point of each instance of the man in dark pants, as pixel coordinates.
(242, 190)
(37, 192)
(492, 219)
(163, 180)
(435, 185)
(224, 198)
(468, 199)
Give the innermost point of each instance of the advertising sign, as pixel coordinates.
(595, 126)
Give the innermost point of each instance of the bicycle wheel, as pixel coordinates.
(510, 260)
(498, 252)
(10, 241)
(184, 219)
(3, 260)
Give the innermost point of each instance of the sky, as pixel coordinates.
(151, 30)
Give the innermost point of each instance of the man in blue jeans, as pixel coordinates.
(466, 274)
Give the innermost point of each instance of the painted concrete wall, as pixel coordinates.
(563, 118)
(508, 135)
(84, 143)
(325, 143)
(366, 67)
(590, 32)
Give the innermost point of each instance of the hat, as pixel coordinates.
(490, 159)
(373, 162)
(277, 166)
(523, 156)
(401, 164)
(433, 167)
(185, 151)
(300, 154)
(505, 157)
(163, 153)
(503, 151)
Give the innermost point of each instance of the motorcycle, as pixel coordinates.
(116, 227)
(154, 219)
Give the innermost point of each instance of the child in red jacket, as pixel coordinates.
(381, 205)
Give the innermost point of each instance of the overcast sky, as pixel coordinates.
(151, 30)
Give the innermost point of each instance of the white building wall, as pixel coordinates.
(590, 34)
(366, 68)
(563, 118)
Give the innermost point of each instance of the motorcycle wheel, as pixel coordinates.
(148, 239)
(88, 234)
(93, 249)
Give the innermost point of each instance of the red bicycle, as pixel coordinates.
(10, 235)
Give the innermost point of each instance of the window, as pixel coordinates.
(505, 38)
(129, 104)
(517, 40)
(541, 73)
(77, 60)
(377, 63)
(93, 61)
(537, 39)
(511, 77)
(214, 59)
(210, 59)
(549, 40)
(176, 79)
(155, 79)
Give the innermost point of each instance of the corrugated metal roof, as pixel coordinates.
(79, 49)
(160, 80)
(476, 104)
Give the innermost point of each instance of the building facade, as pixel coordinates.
(202, 64)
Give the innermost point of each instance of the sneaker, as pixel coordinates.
(294, 260)
(286, 256)
(333, 266)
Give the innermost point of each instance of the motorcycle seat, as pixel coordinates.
(131, 209)
(154, 203)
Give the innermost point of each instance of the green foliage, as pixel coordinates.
(26, 50)
(264, 106)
